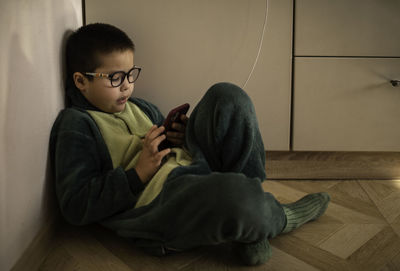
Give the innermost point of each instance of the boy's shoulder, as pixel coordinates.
(72, 114)
(72, 119)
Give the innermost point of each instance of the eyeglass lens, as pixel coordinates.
(118, 78)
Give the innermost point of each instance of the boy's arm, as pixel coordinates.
(87, 187)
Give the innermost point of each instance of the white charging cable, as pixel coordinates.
(260, 46)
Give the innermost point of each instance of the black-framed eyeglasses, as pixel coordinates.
(118, 77)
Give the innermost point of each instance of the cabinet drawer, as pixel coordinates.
(347, 27)
(346, 104)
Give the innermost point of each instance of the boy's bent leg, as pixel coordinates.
(218, 208)
(201, 210)
(223, 129)
(197, 210)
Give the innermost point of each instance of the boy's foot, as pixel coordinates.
(306, 209)
(254, 253)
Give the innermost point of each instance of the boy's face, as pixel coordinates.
(99, 91)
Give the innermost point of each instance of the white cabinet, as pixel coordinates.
(346, 104)
(346, 53)
(186, 46)
(347, 28)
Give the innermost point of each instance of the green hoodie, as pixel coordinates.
(88, 188)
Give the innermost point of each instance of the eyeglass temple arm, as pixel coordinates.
(98, 74)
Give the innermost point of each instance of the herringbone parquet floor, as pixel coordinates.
(360, 231)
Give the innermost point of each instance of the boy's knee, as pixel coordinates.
(228, 92)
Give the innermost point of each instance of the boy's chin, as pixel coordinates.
(119, 108)
(114, 109)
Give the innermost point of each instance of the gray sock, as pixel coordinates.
(306, 209)
(254, 253)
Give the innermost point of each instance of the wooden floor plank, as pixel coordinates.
(282, 261)
(322, 226)
(59, 259)
(137, 259)
(312, 255)
(386, 196)
(90, 254)
(350, 238)
(378, 251)
(396, 226)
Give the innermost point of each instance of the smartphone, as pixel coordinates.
(173, 116)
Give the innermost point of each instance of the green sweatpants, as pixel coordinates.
(219, 197)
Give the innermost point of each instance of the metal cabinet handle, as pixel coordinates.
(395, 83)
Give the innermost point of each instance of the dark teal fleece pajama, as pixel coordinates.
(217, 199)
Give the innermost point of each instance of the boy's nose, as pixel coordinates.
(125, 84)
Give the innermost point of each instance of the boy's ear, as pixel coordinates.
(80, 81)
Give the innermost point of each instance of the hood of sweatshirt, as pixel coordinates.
(74, 97)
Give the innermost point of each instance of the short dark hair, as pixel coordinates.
(88, 42)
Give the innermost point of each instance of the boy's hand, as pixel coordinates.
(150, 159)
(177, 137)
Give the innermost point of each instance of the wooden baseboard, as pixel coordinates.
(332, 165)
(40, 246)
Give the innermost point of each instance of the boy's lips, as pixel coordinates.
(122, 100)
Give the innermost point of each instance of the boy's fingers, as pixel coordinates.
(184, 119)
(175, 141)
(160, 130)
(175, 135)
(154, 132)
(152, 128)
(158, 141)
(178, 126)
(163, 153)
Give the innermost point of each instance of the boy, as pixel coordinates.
(205, 190)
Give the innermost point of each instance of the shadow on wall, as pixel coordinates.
(63, 62)
(49, 200)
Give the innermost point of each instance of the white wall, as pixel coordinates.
(186, 46)
(31, 95)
